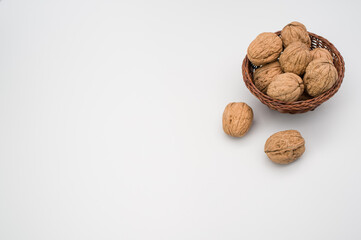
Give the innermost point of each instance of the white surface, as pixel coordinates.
(110, 124)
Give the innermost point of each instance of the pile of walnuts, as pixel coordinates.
(288, 70)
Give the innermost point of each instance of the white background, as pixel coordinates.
(110, 124)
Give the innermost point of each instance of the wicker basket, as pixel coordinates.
(298, 106)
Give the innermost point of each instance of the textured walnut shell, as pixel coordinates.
(266, 48)
(285, 147)
(237, 119)
(295, 58)
(286, 87)
(264, 75)
(295, 32)
(320, 76)
(321, 53)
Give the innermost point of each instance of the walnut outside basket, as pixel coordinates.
(298, 106)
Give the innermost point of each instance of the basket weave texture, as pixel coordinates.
(298, 106)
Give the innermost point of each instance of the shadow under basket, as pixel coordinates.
(298, 106)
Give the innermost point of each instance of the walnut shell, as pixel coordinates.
(320, 76)
(286, 87)
(295, 58)
(285, 147)
(321, 53)
(266, 48)
(237, 119)
(264, 75)
(295, 32)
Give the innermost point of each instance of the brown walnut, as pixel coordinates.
(321, 53)
(295, 32)
(266, 48)
(264, 75)
(285, 147)
(237, 119)
(295, 58)
(320, 76)
(287, 87)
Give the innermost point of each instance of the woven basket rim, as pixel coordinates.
(297, 106)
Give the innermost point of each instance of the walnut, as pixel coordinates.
(264, 75)
(320, 76)
(321, 53)
(286, 87)
(295, 58)
(266, 48)
(295, 32)
(237, 119)
(285, 147)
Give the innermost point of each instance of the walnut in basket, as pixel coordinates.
(295, 58)
(320, 76)
(266, 48)
(295, 32)
(287, 87)
(321, 53)
(264, 75)
(285, 147)
(237, 119)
